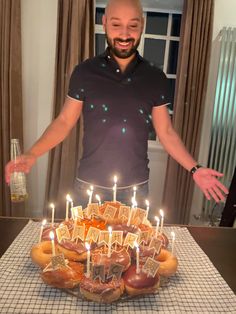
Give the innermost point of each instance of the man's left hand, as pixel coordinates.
(207, 181)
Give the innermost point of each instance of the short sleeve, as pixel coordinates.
(76, 84)
(162, 91)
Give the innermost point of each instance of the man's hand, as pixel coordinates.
(23, 163)
(206, 179)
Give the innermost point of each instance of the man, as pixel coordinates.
(118, 92)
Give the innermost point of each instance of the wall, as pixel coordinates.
(224, 15)
(39, 20)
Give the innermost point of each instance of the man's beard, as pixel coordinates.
(122, 53)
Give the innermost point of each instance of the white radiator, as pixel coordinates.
(222, 153)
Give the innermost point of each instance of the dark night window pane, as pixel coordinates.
(176, 21)
(99, 44)
(156, 23)
(99, 14)
(172, 92)
(173, 57)
(154, 51)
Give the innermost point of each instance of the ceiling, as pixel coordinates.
(165, 5)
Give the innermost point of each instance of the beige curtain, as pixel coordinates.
(10, 94)
(192, 76)
(75, 43)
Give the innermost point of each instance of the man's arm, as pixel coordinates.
(53, 135)
(205, 178)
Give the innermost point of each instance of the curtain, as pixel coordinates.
(192, 76)
(75, 43)
(10, 94)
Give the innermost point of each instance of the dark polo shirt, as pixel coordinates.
(117, 117)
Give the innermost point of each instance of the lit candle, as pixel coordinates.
(109, 242)
(88, 259)
(99, 199)
(137, 258)
(157, 226)
(147, 208)
(131, 212)
(90, 193)
(134, 192)
(173, 242)
(51, 234)
(67, 206)
(41, 229)
(162, 219)
(114, 188)
(53, 213)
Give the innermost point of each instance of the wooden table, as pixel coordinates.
(217, 242)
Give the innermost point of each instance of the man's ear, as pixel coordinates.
(104, 21)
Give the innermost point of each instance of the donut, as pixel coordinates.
(110, 220)
(41, 253)
(102, 292)
(64, 277)
(126, 229)
(168, 263)
(121, 257)
(164, 240)
(141, 283)
(74, 251)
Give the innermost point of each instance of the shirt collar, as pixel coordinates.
(131, 66)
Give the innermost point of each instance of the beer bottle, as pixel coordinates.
(17, 179)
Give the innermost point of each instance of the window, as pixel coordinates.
(159, 43)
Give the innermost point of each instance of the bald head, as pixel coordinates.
(112, 5)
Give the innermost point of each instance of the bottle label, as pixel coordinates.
(18, 186)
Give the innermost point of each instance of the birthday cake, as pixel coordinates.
(105, 252)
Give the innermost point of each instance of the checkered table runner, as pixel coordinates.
(197, 286)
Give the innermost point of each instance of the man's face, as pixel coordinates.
(123, 25)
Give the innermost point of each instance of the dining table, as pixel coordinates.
(205, 281)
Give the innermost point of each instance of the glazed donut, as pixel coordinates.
(41, 253)
(114, 220)
(121, 257)
(64, 277)
(141, 283)
(125, 228)
(74, 251)
(102, 292)
(168, 263)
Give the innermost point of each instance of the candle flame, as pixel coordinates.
(135, 188)
(110, 229)
(147, 202)
(51, 235)
(172, 235)
(89, 192)
(157, 219)
(98, 197)
(52, 205)
(91, 188)
(68, 197)
(44, 222)
(87, 246)
(136, 245)
(161, 213)
(115, 179)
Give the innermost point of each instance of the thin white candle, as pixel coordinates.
(134, 192)
(53, 214)
(90, 193)
(67, 206)
(51, 234)
(157, 226)
(41, 229)
(114, 188)
(71, 203)
(88, 259)
(109, 242)
(172, 242)
(99, 199)
(137, 258)
(162, 220)
(147, 208)
(131, 212)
